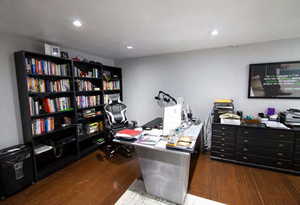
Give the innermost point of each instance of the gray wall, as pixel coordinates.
(10, 121)
(202, 76)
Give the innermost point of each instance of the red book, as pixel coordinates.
(129, 132)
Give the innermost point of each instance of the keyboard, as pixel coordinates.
(156, 123)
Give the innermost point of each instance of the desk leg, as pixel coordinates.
(165, 174)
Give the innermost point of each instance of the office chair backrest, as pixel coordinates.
(115, 112)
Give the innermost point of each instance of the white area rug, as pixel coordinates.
(137, 195)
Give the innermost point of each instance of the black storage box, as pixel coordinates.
(16, 169)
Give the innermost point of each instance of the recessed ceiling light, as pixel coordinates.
(129, 47)
(77, 23)
(214, 32)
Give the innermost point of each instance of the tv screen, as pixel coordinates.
(274, 80)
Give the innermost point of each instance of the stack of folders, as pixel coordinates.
(128, 134)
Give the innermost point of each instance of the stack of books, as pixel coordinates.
(43, 67)
(94, 127)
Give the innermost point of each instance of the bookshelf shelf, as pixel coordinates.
(90, 92)
(48, 94)
(30, 66)
(111, 91)
(49, 76)
(53, 113)
(86, 108)
(86, 78)
(90, 118)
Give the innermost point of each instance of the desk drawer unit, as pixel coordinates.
(223, 141)
(261, 147)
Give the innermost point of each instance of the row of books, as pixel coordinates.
(88, 101)
(43, 67)
(90, 74)
(48, 105)
(108, 97)
(39, 85)
(84, 85)
(40, 126)
(111, 85)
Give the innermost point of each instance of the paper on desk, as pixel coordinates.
(161, 144)
(154, 132)
(275, 124)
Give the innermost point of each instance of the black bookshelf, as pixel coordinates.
(59, 131)
(46, 163)
(86, 141)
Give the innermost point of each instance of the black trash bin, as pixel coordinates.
(16, 169)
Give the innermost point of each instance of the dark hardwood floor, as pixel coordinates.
(92, 181)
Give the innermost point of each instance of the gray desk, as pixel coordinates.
(166, 171)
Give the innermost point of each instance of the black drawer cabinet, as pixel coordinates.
(223, 141)
(276, 149)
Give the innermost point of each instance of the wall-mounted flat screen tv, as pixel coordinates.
(275, 80)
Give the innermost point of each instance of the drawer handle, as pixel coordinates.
(245, 140)
(280, 145)
(279, 163)
(222, 150)
(245, 157)
(222, 155)
(223, 138)
(223, 133)
(245, 149)
(223, 145)
(223, 128)
(246, 132)
(282, 135)
(279, 154)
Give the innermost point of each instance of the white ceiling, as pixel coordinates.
(151, 26)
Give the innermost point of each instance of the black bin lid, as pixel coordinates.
(12, 150)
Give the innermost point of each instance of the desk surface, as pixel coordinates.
(193, 131)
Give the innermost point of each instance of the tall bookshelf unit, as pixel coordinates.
(61, 105)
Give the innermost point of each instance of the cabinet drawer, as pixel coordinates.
(222, 144)
(266, 134)
(297, 167)
(267, 144)
(272, 153)
(297, 157)
(297, 148)
(227, 139)
(224, 128)
(222, 149)
(223, 133)
(251, 132)
(223, 155)
(282, 135)
(286, 164)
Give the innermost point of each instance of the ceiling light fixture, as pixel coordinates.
(77, 23)
(129, 47)
(214, 32)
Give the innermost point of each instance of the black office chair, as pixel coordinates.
(116, 120)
